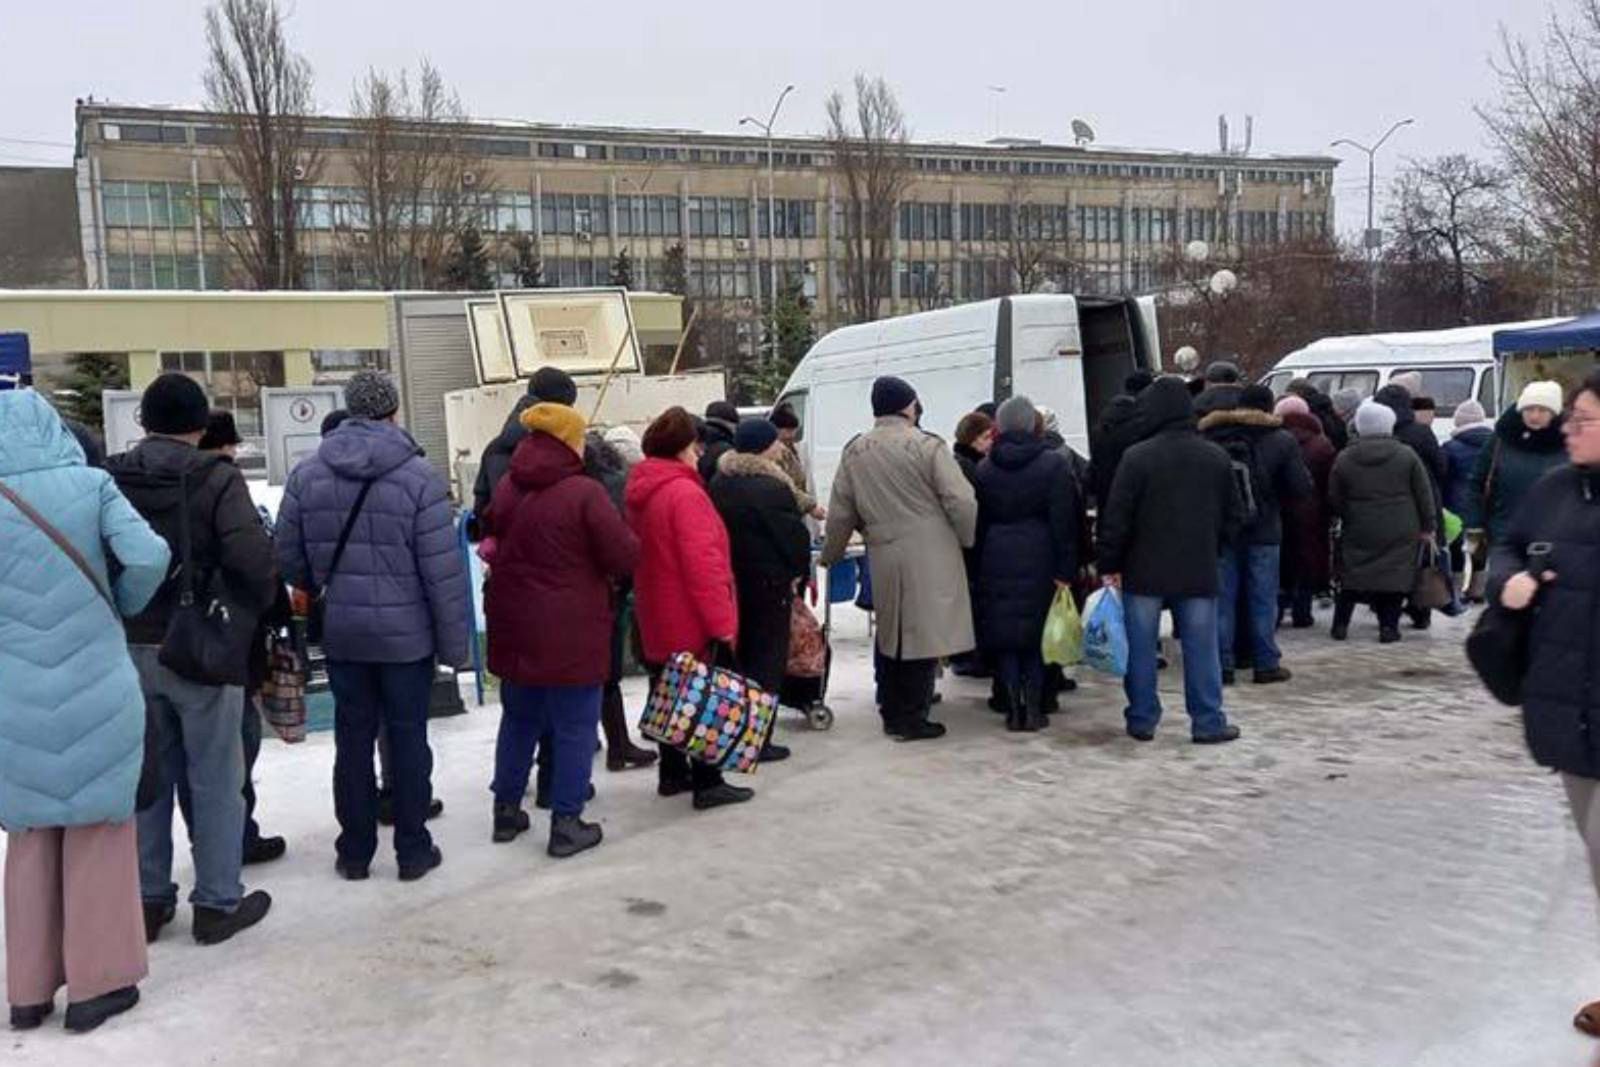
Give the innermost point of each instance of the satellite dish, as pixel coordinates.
(1082, 132)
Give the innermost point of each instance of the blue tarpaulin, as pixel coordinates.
(1577, 333)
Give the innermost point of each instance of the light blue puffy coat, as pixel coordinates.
(71, 711)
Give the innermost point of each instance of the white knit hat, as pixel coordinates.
(1374, 419)
(1541, 395)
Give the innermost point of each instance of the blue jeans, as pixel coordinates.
(1257, 565)
(394, 695)
(1195, 619)
(199, 730)
(563, 717)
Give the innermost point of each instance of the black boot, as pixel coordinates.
(1033, 717)
(31, 1016)
(213, 926)
(81, 1018)
(264, 850)
(509, 822)
(155, 917)
(570, 835)
(1016, 710)
(621, 753)
(721, 795)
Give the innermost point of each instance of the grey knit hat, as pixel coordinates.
(1017, 415)
(1346, 401)
(1374, 419)
(371, 394)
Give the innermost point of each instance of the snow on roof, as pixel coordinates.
(1474, 343)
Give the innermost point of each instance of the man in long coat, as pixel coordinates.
(902, 489)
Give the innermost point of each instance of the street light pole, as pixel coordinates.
(772, 216)
(1371, 238)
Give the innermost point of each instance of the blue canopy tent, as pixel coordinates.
(16, 365)
(1579, 333)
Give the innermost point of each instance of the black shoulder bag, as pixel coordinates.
(208, 640)
(316, 619)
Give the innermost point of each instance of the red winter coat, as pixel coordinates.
(560, 544)
(1306, 548)
(683, 589)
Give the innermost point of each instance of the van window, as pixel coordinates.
(795, 402)
(1364, 382)
(1448, 386)
(1277, 380)
(1486, 392)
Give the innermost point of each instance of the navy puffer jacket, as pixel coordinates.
(1028, 521)
(400, 593)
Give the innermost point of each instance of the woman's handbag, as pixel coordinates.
(710, 714)
(808, 648)
(283, 692)
(208, 640)
(1431, 589)
(1497, 648)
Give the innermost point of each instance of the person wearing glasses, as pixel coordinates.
(1548, 555)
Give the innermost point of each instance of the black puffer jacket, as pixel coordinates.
(601, 461)
(767, 534)
(1118, 431)
(1173, 503)
(1421, 440)
(231, 551)
(1561, 694)
(1280, 475)
(1333, 427)
(1028, 521)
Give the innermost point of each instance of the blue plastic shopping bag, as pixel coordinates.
(1105, 632)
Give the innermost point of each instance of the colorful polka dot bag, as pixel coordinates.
(711, 714)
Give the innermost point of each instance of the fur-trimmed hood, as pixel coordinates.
(1240, 417)
(749, 465)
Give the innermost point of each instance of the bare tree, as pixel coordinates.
(418, 182)
(1036, 240)
(1451, 233)
(873, 169)
(1547, 126)
(262, 93)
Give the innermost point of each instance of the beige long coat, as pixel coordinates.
(902, 489)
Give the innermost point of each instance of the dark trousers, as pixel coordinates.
(675, 770)
(1297, 601)
(764, 616)
(559, 721)
(1385, 605)
(250, 730)
(394, 695)
(1022, 672)
(907, 688)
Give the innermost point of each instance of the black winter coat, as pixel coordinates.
(1028, 521)
(1118, 431)
(767, 535)
(1507, 468)
(1280, 478)
(231, 551)
(716, 439)
(1333, 427)
(1380, 492)
(1172, 506)
(968, 458)
(1561, 694)
(1421, 440)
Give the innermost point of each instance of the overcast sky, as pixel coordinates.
(1145, 73)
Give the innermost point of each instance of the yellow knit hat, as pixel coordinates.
(559, 421)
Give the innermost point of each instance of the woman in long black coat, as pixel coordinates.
(1561, 689)
(771, 550)
(1028, 515)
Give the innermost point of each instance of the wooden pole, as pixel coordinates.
(689, 328)
(610, 373)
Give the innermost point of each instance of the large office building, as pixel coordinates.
(154, 205)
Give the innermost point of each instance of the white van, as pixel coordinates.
(1067, 353)
(1455, 365)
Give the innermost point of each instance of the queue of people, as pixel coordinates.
(1214, 503)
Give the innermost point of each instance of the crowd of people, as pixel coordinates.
(1211, 499)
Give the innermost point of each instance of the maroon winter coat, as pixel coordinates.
(560, 544)
(1306, 548)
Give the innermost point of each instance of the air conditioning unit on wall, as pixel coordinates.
(741, 245)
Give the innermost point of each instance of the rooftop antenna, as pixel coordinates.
(1249, 132)
(1222, 134)
(1082, 132)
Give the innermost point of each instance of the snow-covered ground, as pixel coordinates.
(1375, 875)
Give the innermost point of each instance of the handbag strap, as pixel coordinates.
(344, 537)
(185, 543)
(61, 542)
(1488, 483)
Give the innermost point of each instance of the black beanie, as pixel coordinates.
(891, 396)
(1137, 382)
(174, 404)
(1258, 397)
(754, 435)
(552, 385)
(723, 411)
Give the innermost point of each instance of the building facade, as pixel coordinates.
(154, 205)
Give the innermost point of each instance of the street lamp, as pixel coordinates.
(772, 215)
(1372, 238)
